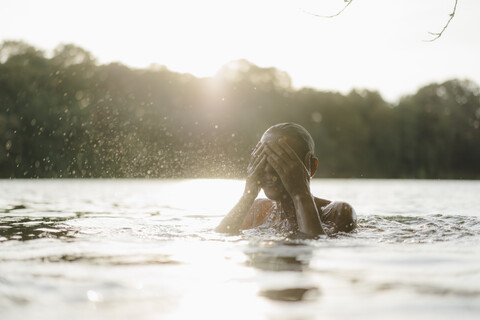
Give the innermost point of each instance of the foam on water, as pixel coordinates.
(139, 249)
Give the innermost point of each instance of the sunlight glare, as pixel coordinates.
(209, 196)
(224, 283)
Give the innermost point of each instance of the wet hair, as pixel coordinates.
(295, 131)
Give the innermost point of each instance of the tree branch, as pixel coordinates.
(439, 34)
(435, 34)
(349, 2)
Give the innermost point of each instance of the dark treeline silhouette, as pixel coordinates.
(64, 115)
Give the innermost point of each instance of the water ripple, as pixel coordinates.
(417, 229)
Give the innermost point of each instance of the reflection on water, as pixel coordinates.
(291, 294)
(137, 249)
(264, 261)
(279, 256)
(26, 228)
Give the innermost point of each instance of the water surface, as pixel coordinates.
(146, 249)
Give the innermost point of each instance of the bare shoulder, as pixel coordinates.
(321, 202)
(340, 213)
(258, 213)
(261, 203)
(260, 209)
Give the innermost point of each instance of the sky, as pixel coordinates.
(373, 44)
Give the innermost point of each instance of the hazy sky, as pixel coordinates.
(375, 44)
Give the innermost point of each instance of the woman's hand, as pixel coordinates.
(296, 180)
(254, 171)
(289, 167)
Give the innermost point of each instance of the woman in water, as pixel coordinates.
(282, 164)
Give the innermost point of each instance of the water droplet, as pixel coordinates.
(94, 296)
(79, 95)
(316, 117)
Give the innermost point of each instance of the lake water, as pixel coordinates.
(146, 249)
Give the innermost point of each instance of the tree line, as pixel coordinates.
(65, 115)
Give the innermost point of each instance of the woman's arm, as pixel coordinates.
(233, 221)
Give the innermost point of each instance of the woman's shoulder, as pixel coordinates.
(321, 202)
(262, 202)
(260, 210)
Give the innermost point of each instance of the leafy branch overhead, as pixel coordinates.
(439, 34)
(348, 2)
(435, 34)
